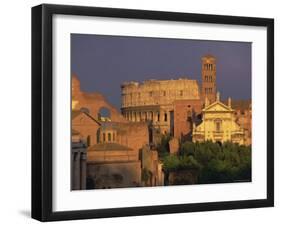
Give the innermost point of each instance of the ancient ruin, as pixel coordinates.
(120, 149)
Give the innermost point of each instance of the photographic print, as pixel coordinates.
(138, 112)
(159, 112)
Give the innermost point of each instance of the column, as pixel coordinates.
(76, 173)
(135, 116)
(151, 116)
(83, 170)
(157, 115)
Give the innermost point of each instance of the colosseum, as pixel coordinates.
(170, 105)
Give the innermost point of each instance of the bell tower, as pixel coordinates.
(209, 87)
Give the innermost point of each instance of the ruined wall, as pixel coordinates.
(151, 168)
(94, 102)
(185, 113)
(114, 175)
(244, 119)
(96, 154)
(86, 126)
(243, 115)
(133, 135)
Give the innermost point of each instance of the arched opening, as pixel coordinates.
(165, 117)
(104, 114)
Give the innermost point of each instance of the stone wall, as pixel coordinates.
(158, 92)
(185, 113)
(86, 126)
(133, 135)
(111, 153)
(244, 119)
(94, 102)
(114, 175)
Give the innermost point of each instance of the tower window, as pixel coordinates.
(109, 137)
(165, 117)
(150, 93)
(103, 137)
(181, 92)
(158, 116)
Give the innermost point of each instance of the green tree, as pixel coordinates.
(163, 146)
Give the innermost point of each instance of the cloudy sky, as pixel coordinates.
(102, 63)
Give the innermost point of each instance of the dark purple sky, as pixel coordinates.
(103, 62)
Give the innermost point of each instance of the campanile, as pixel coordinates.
(209, 87)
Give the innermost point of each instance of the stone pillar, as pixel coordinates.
(161, 113)
(157, 115)
(126, 115)
(76, 173)
(83, 170)
(151, 116)
(165, 115)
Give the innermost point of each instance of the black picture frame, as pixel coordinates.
(42, 107)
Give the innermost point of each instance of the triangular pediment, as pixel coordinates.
(217, 106)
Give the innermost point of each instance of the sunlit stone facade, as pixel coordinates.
(218, 124)
(153, 100)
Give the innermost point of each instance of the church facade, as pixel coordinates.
(218, 124)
